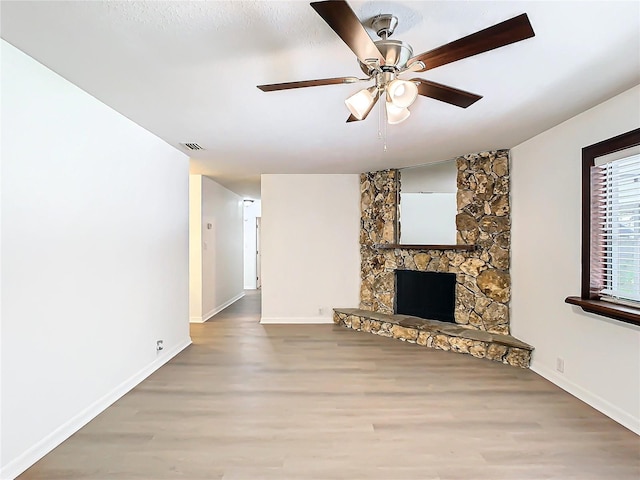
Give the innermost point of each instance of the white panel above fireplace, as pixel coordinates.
(428, 218)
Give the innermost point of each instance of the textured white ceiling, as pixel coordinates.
(187, 71)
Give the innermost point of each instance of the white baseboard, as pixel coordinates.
(15, 467)
(299, 320)
(216, 310)
(211, 313)
(623, 418)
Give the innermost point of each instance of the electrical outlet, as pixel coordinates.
(560, 364)
(159, 345)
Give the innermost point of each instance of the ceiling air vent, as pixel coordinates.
(192, 146)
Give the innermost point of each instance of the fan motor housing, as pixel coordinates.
(395, 52)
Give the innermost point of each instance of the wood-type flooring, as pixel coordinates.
(251, 401)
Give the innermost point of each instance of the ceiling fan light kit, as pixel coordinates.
(361, 102)
(396, 114)
(401, 93)
(385, 60)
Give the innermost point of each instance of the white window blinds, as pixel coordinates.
(615, 229)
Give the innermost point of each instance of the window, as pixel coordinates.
(615, 229)
(611, 228)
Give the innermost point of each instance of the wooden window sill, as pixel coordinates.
(607, 309)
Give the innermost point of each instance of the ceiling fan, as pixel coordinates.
(385, 60)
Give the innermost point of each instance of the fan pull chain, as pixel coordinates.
(384, 137)
(382, 126)
(380, 120)
(383, 120)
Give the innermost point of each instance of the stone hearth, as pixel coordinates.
(436, 334)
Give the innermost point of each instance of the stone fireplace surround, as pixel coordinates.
(483, 284)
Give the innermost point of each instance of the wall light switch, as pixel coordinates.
(560, 364)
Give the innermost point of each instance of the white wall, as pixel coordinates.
(438, 177)
(218, 236)
(94, 257)
(195, 248)
(428, 218)
(252, 210)
(310, 246)
(601, 356)
(428, 205)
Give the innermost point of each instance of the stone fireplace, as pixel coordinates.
(483, 285)
(479, 262)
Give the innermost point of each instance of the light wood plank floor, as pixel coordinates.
(247, 401)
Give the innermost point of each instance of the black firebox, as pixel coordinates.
(430, 295)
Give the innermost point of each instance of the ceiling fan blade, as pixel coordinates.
(504, 33)
(345, 23)
(353, 118)
(451, 95)
(307, 83)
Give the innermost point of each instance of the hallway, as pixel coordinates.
(248, 401)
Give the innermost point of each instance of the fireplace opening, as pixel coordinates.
(429, 295)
